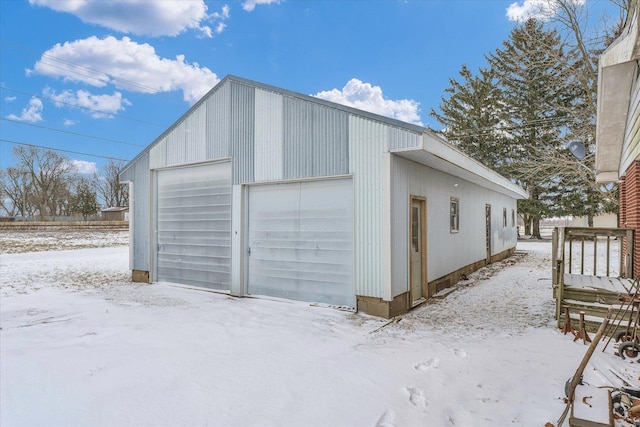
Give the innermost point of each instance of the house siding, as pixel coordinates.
(631, 147)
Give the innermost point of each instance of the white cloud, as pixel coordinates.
(141, 17)
(99, 106)
(31, 113)
(537, 9)
(366, 97)
(125, 64)
(10, 98)
(223, 14)
(69, 122)
(220, 27)
(249, 5)
(84, 167)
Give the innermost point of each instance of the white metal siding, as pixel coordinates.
(138, 173)
(195, 135)
(298, 138)
(330, 133)
(367, 141)
(218, 132)
(242, 131)
(175, 142)
(315, 140)
(268, 136)
(400, 138)
(194, 225)
(158, 155)
(446, 251)
(186, 142)
(301, 241)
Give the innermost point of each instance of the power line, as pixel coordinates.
(90, 71)
(70, 133)
(61, 150)
(489, 130)
(79, 106)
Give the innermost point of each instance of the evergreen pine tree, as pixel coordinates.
(531, 69)
(471, 116)
(84, 201)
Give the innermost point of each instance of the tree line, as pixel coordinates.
(535, 98)
(44, 183)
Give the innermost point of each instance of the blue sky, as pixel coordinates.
(104, 78)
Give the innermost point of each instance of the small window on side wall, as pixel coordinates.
(504, 217)
(455, 215)
(513, 217)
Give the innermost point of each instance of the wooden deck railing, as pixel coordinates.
(590, 267)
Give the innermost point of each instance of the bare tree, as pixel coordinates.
(586, 42)
(110, 189)
(49, 176)
(17, 195)
(7, 203)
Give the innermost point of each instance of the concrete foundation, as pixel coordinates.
(140, 276)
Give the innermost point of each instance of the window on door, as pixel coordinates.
(454, 219)
(415, 229)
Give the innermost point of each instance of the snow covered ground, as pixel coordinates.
(31, 241)
(80, 345)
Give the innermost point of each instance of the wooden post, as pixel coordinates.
(554, 256)
(570, 255)
(576, 377)
(609, 252)
(595, 254)
(558, 270)
(582, 255)
(632, 252)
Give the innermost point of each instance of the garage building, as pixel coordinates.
(258, 190)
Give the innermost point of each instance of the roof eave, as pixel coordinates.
(616, 72)
(437, 153)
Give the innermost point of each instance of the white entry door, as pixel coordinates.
(193, 225)
(418, 263)
(300, 241)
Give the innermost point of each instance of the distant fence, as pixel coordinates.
(63, 225)
(48, 218)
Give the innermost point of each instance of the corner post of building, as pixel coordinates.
(132, 222)
(238, 244)
(386, 227)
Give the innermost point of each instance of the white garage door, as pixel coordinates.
(194, 225)
(301, 241)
